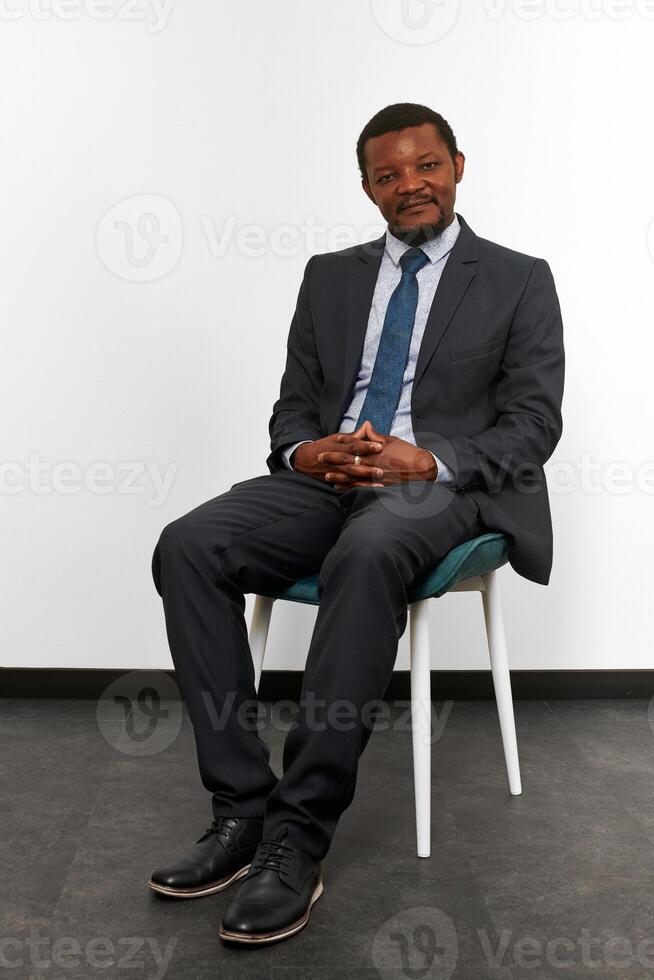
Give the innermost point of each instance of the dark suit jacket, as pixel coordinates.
(488, 384)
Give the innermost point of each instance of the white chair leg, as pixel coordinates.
(258, 633)
(501, 678)
(421, 720)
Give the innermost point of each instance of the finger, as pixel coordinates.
(369, 472)
(358, 472)
(370, 430)
(358, 483)
(362, 449)
(336, 477)
(333, 458)
(351, 471)
(372, 433)
(367, 446)
(360, 432)
(359, 445)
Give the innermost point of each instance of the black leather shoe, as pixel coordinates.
(221, 856)
(275, 897)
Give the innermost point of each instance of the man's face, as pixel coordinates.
(412, 179)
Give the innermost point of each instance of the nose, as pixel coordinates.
(410, 185)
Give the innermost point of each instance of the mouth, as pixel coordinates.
(418, 206)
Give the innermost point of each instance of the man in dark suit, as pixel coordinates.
(421, 397)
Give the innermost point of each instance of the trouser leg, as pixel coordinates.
(264, 532)
(387, 539)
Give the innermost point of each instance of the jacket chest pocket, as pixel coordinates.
(463, 353)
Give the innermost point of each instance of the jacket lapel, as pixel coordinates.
(362, 278)
(459, 271)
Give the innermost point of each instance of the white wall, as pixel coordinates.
(249, 113)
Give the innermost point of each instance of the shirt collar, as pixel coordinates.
(435, 249)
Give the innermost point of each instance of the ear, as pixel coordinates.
(366, 188)
(459, 165)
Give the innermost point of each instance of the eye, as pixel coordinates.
(431, 163)
(384, 178)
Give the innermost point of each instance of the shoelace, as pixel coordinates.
(221, 826)
(273, 854)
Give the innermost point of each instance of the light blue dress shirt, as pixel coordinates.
(390, 273)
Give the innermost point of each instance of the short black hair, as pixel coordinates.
(399, 116)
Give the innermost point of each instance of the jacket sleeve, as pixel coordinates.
(443, 473)
(528, 397)
(295, 414)
(287, 451)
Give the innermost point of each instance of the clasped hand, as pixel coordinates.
(385, 459)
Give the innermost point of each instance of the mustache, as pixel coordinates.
(412, 204)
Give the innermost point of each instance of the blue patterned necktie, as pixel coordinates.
(385, 386)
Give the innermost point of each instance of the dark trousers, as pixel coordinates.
(368, 543)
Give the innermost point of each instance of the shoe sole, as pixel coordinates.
(268, 937)
(217, 886)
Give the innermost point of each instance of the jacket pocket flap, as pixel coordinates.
(463, 352)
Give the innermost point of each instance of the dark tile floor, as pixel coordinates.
(558, 882)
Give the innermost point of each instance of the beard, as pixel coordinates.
(419, 234)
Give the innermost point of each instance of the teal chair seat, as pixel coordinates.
(475, 557)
